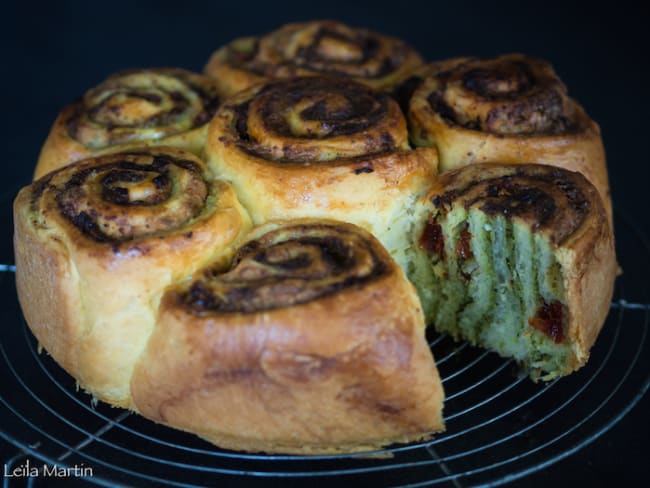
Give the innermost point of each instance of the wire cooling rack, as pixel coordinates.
(500, 425)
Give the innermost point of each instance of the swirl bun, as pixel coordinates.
(313, 331)
(313, 48)
(96, 243)
(161, 106)
(519, 259)
(510, 109)
(321, 147)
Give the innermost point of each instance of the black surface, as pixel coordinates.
(52, 52)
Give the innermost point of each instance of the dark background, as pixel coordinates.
(53, 52)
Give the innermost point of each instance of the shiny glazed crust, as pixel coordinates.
(149, 107)
(319, 147)
(567, 209)
(326, 354)
(325, 48)
(91, 264)
(510, 109)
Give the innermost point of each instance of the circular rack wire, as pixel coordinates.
(500, 425)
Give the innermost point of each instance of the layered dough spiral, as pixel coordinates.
(313, 48)
(313, 331)
(321, 147)
(510, 109)
(96, 243)
(519, 259)
(163, 106)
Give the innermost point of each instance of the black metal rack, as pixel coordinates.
(500, 425)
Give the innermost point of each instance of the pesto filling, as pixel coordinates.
(491, 285)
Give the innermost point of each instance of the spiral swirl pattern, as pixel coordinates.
(551, 200)
(125, 196)
(132, 109)
(507, 95)
(137, 106)
(318, 119)
(286, 267)
(335, 48)
(99, 240)
(314, 147)
(511, 109)
(314, 48)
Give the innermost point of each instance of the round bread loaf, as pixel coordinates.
(518, 259)
(321, 147)
(311, 341)
(510, 109)
(325, 48)
(140, 272)
(97, 242)
(160, 106)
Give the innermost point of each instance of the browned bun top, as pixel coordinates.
(140, 105)
(288, 266)
(316, 119)
(552, 200)
(123, 197)
(404, 90)
(508, 95)
(323, 47)
(333, 48)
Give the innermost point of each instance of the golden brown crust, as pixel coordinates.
(510, 109)
(97, 242)
(316, 48)
(344, 368)
(566, 208)
(403, 91)
(589, 261)
(320, 147)
(50, 301)
(149, 107)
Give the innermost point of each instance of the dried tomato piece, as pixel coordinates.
(463, 249)
(432, 240)
(549, 319)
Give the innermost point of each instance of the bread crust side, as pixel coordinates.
(589, 267)
(47, 287)
(92, 304)
(349, 371)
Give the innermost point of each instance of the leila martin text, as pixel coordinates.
(34, 471)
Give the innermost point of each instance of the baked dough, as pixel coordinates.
(509, 109)
(321, 147)
(157, 106)
(324, 48)
(311, 341)
(97, 242)
(518, 259)
(281, 324)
